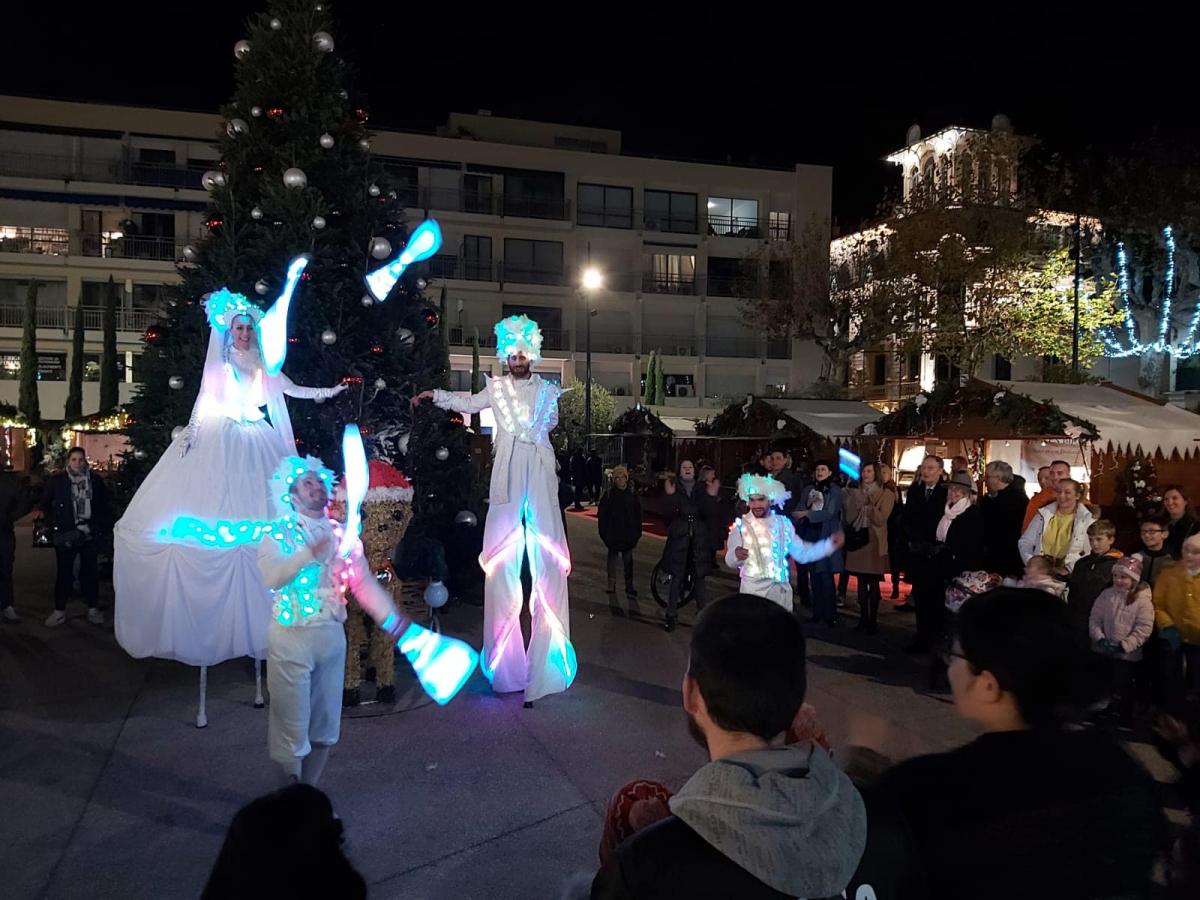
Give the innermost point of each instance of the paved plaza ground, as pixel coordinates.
(107, 789)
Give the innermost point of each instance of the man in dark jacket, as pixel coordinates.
(923, 509)
(819, 516)
(619, 517)
(76, 503)
(579, 477)
(12, 507)
(760, 821)
(595, 475)
(1003, 512)
(689, 507)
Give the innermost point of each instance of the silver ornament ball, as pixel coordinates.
(328, 337)
(373, 190)
(236, 127)
(380, 384)
(468, 518)
(211, 179)
(189, 253)
(256, 111)
(368, 300)
(276, 24)
(442, 453)
(139, 454)
(175, 382)
(406, 336)
(261, 286)
(384, 576)
(294, 178)
(176, 432)
(365, 145)
(326, 140)
(344, 94)
(324, 41)
(381, 248)
(318, 222)
(241, 49)
(256, 213)
(436, 595)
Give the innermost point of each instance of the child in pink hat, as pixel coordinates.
(1119, 625)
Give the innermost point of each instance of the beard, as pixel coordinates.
(519, 371)
(695, 732)
(759, 513)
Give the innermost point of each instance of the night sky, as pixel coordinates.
(679, 81)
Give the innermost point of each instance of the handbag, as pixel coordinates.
(43, 533)
(858, 532)
(69, 540)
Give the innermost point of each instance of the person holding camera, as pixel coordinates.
(77, 505)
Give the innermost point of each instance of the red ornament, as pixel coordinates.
(153, 333)
(376, 348)
(214, 222)
(360, 114)
(275, 112)
(293, 340)
(304, 276)
(456, 419)
(352, 379)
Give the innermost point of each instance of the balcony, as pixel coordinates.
(62, 318)
(445, 266)
(735, 226)
(744, 347)
(460, 336)
(115, 171)
(519, 274)
(671, 344)
(666, 283)
(164, 249)
(127, 319)
(12, 315)
(611, 342)
(47, 241)
(670, 224)
(486, 204)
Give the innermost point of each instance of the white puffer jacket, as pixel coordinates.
(1030, 543)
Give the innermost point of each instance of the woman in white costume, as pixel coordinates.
(185, 573)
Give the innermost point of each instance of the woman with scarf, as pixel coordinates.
(690, 504)
(820, 518)
(76, 502)
(960, 531)
(869, 507)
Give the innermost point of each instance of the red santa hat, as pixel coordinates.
(387, 483)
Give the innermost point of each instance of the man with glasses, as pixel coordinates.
(1155, 555)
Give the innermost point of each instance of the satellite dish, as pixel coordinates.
(1000, 123)
(913, 135)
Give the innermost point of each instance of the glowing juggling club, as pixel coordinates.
(425, 241)
(443, 664)
(355, 482)
(272, 329)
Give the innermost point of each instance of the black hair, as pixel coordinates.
(1027, 640)
(827, 463)
(286, 844)
(1159, 518)
(76, 450)
(747, 658)
(1060, 462)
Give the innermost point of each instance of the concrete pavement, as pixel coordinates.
(107, 790)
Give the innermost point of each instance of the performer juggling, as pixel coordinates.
(761, 541)
(523, 520)
(309, 562)
(187, 586)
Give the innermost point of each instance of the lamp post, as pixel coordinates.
(592, 282)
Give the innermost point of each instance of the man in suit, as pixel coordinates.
(923, 509)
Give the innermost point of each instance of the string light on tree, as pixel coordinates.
(1184, 349)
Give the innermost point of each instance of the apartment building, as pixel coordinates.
(90, 192)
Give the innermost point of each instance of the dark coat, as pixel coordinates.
(594, 466)
(921, 517)
(963, 550)
(1030, 814)
(688, 519)
(578, 468)
(1003, 515)
(619, 517)
(1180, 531)
(12, 501)
(822, 523)
(1089, 576)
(897, 537)
(60, 509)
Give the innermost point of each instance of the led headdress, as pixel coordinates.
(289, 469)
(224, 306)
(518, 334)
(762, 486)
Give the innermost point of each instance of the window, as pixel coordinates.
(779, 278)
(680, 385)
(477, 194)
(911, 367)
(535, 195)
(50, 366)
(672, 273)
(733, 217)
(605, 206)
(779, 226)
(91, 367)
(670, 211)
(148, 296)
(460, 380)
(156, 155)
(726, 277)
(879, 369)
(1001, 368)
(477, 258)
(533, 262)
(945, 370)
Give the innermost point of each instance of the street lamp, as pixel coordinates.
(592, 281)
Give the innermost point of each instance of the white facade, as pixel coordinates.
(88, 191)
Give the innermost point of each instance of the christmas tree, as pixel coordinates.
(296, 176)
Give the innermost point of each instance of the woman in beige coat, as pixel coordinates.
(869, 504)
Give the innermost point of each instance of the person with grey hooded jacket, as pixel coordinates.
(761, 819)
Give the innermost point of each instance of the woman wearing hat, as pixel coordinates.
(1059, 530)
(960, 532)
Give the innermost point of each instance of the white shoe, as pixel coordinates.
(95, 616)
(56, 618)
(10, 614)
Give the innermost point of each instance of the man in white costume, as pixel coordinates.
(523, 518)
(761, 541)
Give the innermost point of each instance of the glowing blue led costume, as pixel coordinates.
(187, 586)
(769, 541)
(523, 519)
